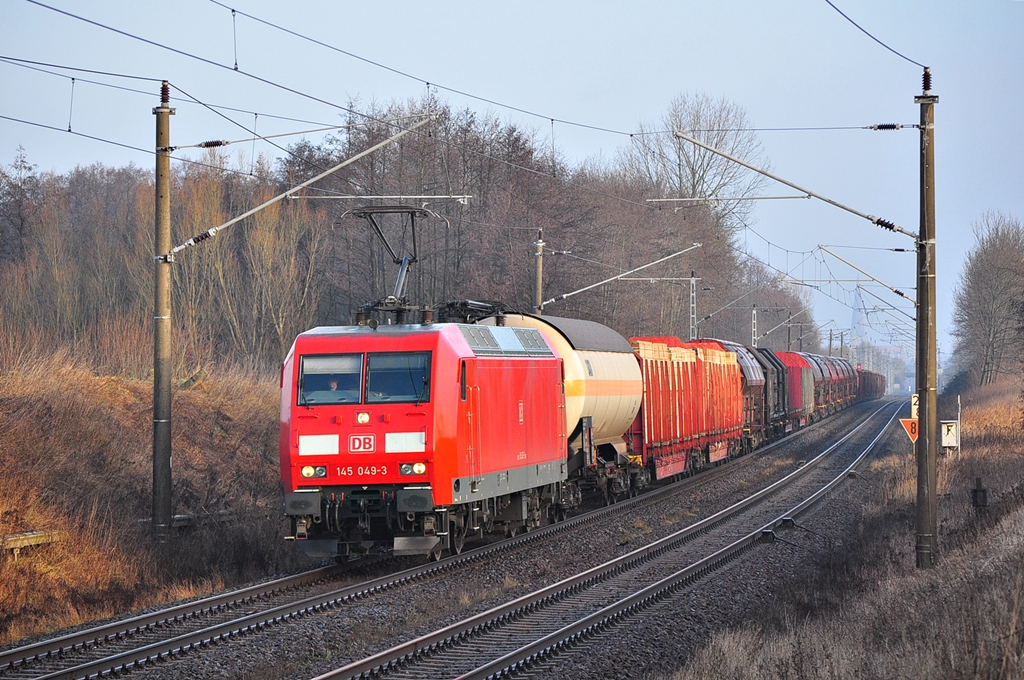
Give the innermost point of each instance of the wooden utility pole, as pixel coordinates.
(927, 366)
(162, 323)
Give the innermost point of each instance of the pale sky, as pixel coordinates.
(796, 64)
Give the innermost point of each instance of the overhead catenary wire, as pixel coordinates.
(885, 224)
(430, 83)
(36, 66)
(320, 100)
(347, 109)
(864, 289)
(849, 264)
(787, 274)
(196, 57)
(865, 32)
(425, 82)
(609, 280)
(453, 144)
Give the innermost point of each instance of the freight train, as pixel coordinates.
(411, 438)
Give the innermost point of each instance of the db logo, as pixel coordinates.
(361, 443)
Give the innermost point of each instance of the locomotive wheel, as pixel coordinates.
(457, 534)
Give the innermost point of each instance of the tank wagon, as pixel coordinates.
(413, 438)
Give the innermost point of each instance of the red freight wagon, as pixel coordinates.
(800, 387)
(667, 429)
(381, 426)
(692, 410)
(724, 392)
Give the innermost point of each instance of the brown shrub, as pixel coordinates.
(75, 456)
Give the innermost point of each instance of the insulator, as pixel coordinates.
(165, 93)
(887, 126)
(885, 224)
(211, 144)
(899, 292)
(201, 237)
(926, 80)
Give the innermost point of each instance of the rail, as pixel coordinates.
(404, 658)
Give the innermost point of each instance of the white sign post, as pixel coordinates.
(950, 434)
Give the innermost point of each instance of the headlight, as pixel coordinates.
(363, 417)
(310, 471)
(412, 468)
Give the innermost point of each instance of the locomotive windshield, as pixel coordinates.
(330, 379)
(398, 377)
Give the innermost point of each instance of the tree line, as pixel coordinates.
(76, 248)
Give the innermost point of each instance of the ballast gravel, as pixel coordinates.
(651, 646)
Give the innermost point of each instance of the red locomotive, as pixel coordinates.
(412, 437)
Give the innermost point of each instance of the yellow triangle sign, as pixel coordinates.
(910, 425)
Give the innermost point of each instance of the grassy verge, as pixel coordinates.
(869, 613)
(76, 456)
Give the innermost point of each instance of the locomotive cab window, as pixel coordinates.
(398, 377)
(330, 379)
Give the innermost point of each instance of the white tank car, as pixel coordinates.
(602, 376)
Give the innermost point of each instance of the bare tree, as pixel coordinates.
(986, 314)
(19, 187)
(674, 168)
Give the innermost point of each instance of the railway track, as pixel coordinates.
(515, 637)
(140, 641)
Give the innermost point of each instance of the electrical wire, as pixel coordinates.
(901, 56)
(351, 111)
(326, 102)
(789, 274)
(24, 63)
(204, 60)
(74, 68)
(149, 152)
(428, 83)
(891, 250)
(493, 102)
(314, 98)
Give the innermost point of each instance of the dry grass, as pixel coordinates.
(869, 613)
(75, 455)
(639, 529)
